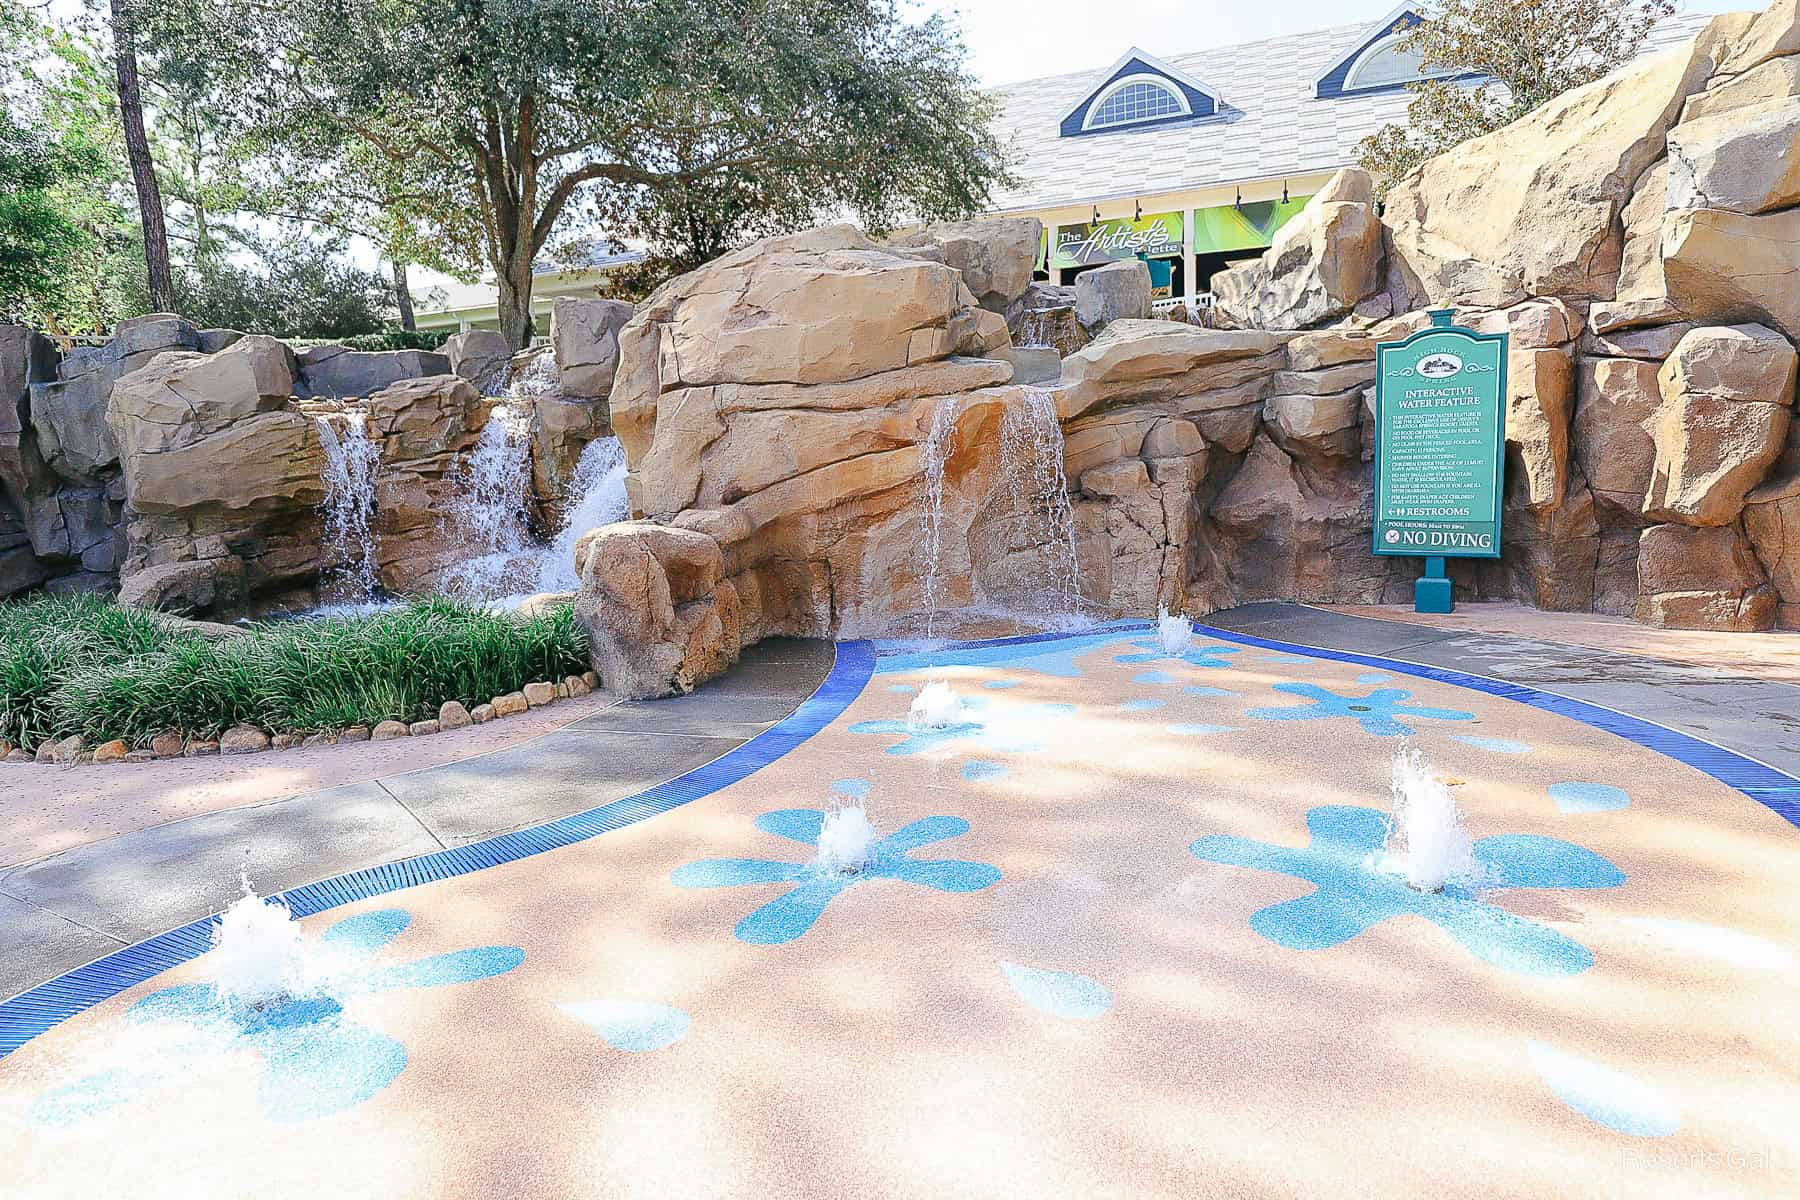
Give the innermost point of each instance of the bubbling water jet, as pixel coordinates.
(1426, 840)
(1173, 632)
(846, 836)
(936, 706)
(257, 952)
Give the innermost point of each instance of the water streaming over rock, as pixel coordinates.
(1031, 464)
(939, 445)
(596, 497)
(352, 461)
(489, 511)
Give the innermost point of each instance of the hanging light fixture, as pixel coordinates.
(1137, 210)
(1096, 219)
(1284, 198)
(1239, 202)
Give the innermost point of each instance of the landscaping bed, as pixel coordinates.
(81, 667)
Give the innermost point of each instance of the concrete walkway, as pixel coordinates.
(1757, 717)
(66, 909)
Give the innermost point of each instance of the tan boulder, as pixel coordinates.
(1692, 578)
(243, 739)
(1724, 266)
(1772, 523)
(1776, 79)
(1118, 291)
(107, 752)
(1641, 266)
(427, 417)
(452, 714)
(1745, 161)
(995, 256)
(1330, 348)
(1727, 394)
(651, 600)
(1320, 266)
(584, 338)
(1167, 361)
(1540, 401)
(509, 705)
(1464, 230)
(1617, 404)
(1755, 38)
(1316, 426)
(387, 731)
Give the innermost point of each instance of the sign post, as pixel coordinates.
(1440, 442)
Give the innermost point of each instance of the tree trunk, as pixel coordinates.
(403, 296)
(143, 169)
(515, 302)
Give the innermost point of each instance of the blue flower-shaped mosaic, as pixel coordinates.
(1193, 656)
(792, 913)
(1016, 729)
(1353, 895)
(315, 1061)
(1378, 713)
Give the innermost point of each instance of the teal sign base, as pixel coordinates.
(1431, 591)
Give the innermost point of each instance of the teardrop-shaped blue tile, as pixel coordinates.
(1601, 1094)
(1059, 993)
(632, 1025)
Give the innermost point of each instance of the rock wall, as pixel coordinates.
(791, 402)
(214, 507)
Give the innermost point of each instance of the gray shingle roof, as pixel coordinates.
(1270, 125)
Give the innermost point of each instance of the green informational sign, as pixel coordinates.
(1440, 434)
(1157, 235)
(1249, 226)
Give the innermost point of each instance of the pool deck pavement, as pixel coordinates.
(61, 910)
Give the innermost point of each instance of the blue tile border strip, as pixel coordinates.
(1775, 790)
(42, 1008)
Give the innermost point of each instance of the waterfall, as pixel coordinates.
(939, 445)
(1034, 328)
(597, 497)
(351, 464)
(490, 499)
(1031, 462)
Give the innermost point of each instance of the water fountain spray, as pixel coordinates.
(1426, 841)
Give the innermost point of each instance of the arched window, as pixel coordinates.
(1384, 64)
(1133, 99)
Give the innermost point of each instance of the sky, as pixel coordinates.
(1010, 40)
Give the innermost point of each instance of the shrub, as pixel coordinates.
(82, 665)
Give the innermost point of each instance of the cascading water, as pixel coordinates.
(598, 498)
(1031, 461)
(490, 498)
(1034, 329)
(939, 445)
(352, 461)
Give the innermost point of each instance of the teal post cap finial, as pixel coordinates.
(1442, 318)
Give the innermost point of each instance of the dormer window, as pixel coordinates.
(1378, 60)
(1385, 64)
(1137, 92)
(1135, 98)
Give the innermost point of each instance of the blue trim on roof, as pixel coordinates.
(1331, 85)
(1202, 104)
(41, 1008)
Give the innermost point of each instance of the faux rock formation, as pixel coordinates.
(480, 356)
(1118, 291)
(1322, 264)
(995, 257)
(1727, 395)
(660, 619)
(219, 472)
(1465, 230)
(584, 337)
(337, 372)
(1692, 578)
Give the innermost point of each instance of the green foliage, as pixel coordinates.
(293, 288)
(501, 121)
(1528, 53)
(62, 233)
(399, 339)
(82, 665)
